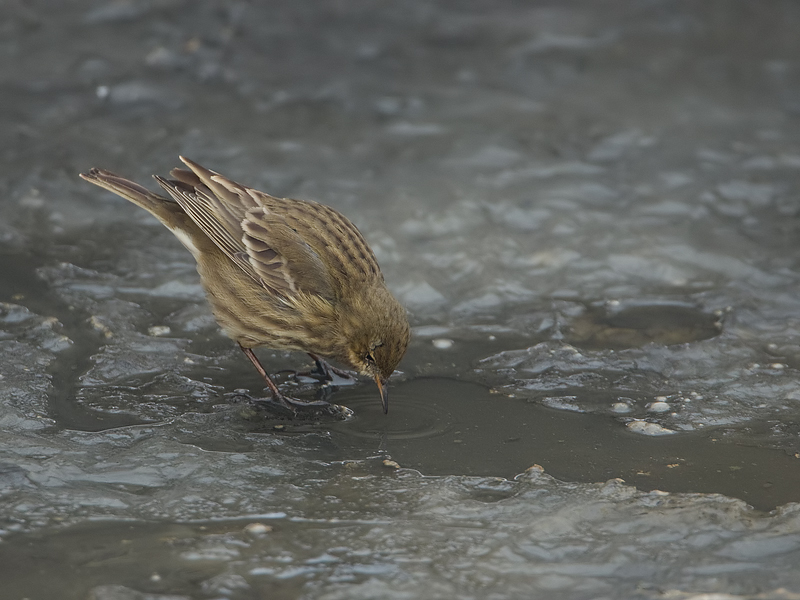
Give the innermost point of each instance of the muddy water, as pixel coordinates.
(434, 429)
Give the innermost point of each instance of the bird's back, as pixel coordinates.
(228, 211)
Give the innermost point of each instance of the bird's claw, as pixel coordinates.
(294, 408)
(297, 404)
(323, 371)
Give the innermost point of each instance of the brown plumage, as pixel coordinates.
(282, 273)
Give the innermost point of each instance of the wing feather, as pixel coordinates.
(286, 245)
(333, 236)
(196, 203)
(281, 257)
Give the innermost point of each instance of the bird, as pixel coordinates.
(279, 273)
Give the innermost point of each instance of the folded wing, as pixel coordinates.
(258, 241)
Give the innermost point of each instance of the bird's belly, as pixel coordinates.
(250, 314)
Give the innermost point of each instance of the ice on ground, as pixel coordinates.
(613, 147)
(647, 428)
(420, 296)
(380, 528)
(682, 386)
(597, 205)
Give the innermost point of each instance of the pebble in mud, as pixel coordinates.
(98, 325)
(658, 407)
(621, 407)
(646, 428)
(442, 343)
(257, 529)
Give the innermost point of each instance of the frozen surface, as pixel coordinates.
(590, 210)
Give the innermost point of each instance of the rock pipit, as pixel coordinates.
(281, 273)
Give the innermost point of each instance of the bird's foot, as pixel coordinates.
(311, 409)
(324, 371)
(294, 408)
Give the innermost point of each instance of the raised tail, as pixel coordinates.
(164, 209)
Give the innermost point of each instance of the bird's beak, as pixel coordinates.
(383, 388)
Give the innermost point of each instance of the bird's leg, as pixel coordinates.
(276, 394)
(327, 371)
(289, 403)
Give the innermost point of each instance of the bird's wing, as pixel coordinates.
(259, 242)
(198, 202)
(281, 258)
(339, 244)
(333, 237)
(229, 200)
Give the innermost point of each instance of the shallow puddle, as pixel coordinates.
(449, 427)
(635, 324)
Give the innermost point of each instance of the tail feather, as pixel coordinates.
(164, 209)
(187, 177)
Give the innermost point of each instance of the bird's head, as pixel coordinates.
(377, 340)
